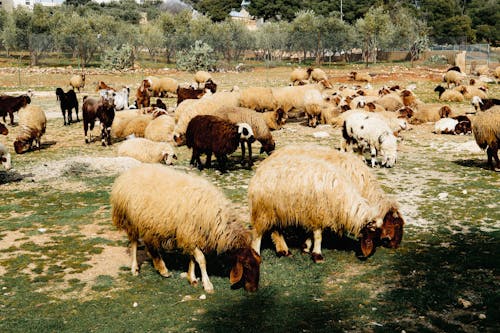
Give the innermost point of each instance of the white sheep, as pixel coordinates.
(170, 209)
(148, 151)
(32, 125)
(300, 75)
(449, 95)
(202, 77)
(318, 75)
(121, 99)
(363, 130)
(445, 126)
(258, 98)
(425, 113)
(275, 119)
(291, 190)
(292, 98)
(160, 129)
(5, 157)
(163, 85)
(363, 77)
(454, 77)
(470, 91)
(390, 102)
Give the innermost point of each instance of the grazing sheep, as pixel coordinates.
(470, 91)
(160, 87)
(318, 75)
(143, 94)
(299, 75)
(68, 102)
(148, 151)
(77, 81)
(275, 119)
(313, 103)
(449, 95)
(255, 120)
(160, 129)
(484, 104)
(366, 131)
(11, 104)
(286, 191)
(168, 208)
(208, 134)
(32, 125)
(202, 77)
(486, 130)
(102, 109)
(292, 98)
(5, 157)
(453, 76)
(363, 77)
(3, 129)
(260, 99)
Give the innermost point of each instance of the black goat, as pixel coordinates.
(68, 102)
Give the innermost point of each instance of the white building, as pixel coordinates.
(9, 5)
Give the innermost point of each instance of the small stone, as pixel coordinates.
(203, 296)
(482, 316)
(135, 304)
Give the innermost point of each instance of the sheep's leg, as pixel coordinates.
(306, 247)
(103, 135)
(373, 153)
(316, 254)
(158, 262)
(250, 162)
(11, 115)
(200, 259)
(280, 244)
(134, 267)
(191, 276)
(242, 143)
(64, 116)
(221, 161)
(256, 241)
(208, 161)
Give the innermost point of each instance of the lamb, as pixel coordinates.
(318, 75)
(255, 120)
(68, 102)
(285, 191)
(363, 77)
(162, 86)
(5, 158)
(143, 94)
(300, 75)
(32, 125)
(260, 99)
(11, 104)
(160, 129)
(445, 126)
(77, 81)
(484, 104)
(208, 134)
(171, 209)
(486, 130)
(102, 109)
(449, 95)
(366, 131)
(453, 76)
(202, 77)
(3, 129)
(148, 151)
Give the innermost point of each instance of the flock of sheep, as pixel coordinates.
(310, 186)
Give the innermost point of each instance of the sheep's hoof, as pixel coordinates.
(165, 274)
(284, 253)
(317, 258)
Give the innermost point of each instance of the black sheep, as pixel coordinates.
(68, 102)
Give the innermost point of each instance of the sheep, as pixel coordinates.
(292, 98)
(275, 119)
(5, 157)
(160, 129)
(408, 97)
(10, 104)
(313, 103)
(445, 126)
(121, 98)
(160, 87)
(136, 126)
(208, 134)
(299, 75)
(318, 75)
(484, 104)
(453, 76)
(496, 72)
(68, 102)
(143, 94)
(3, 129)
(449, 95)
(202, 77)
(259, 99)
(148, 151)
(32, 125)
(102, 109)
(255, 120)
(486, 130)
(390, 102)
(189, 93)
(429, 113)
(77, 81)
(159, 104)
(103, 86)
(470, 91)
(285, 191)
(168, 208)
(366, 131)
(363, 77)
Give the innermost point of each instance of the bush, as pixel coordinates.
(199, 57)
(119, 58)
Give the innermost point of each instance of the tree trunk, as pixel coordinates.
(318, 47)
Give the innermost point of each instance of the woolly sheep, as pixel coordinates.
(202, 77)
(470, 91)
(425, 113)
(390, 102)
(160, 129)
(275, 119)
(449, 95)
(292, 98)
(486, 130)
(32, 125)
(318, 75)
(366, 131)
(255, 120)
(496, 72)
(170, 209)
(258, 98)
(148, 151)
(363, 77)
(162, 86)
(300, 75)
(5, 157)
(207, 134)
(286, 191)
(77, 81)
(137, 125)
(454, 77)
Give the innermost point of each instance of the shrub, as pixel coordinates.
(121, 57)
(199, 57)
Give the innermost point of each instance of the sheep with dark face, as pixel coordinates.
(5, 158)
(68, 102)
(102, 109)
(208, 134)
(3, 129)
(11, 104)
(486, 130)
(485, 103)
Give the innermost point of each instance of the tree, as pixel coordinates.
(339, 36)
(272, 37)
(277, 10)
(217, 10)
(485, 16)
(8, 36)
(152, 39)
(305, 32)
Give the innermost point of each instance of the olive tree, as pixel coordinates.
(272, 39)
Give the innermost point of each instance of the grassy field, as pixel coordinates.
(65, 268)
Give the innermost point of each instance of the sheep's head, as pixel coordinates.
(476, 100)
(444, 111)
(20, 146)
(179, 138)
(246, 133)
(168, 157)
(6, 161)
(388, 144)
(387, 232)
(267, 147)
(463, 127)
(3, 129)
(246, 270)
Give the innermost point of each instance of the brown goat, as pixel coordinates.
(143, 94)
(103, 86)
(189, 93)
(11, 104)
(102, 109)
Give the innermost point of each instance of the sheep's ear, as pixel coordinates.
(367, 245)
(236, 273)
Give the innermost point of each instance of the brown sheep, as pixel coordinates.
(102, 109)
(143, 94)
(11, 104)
